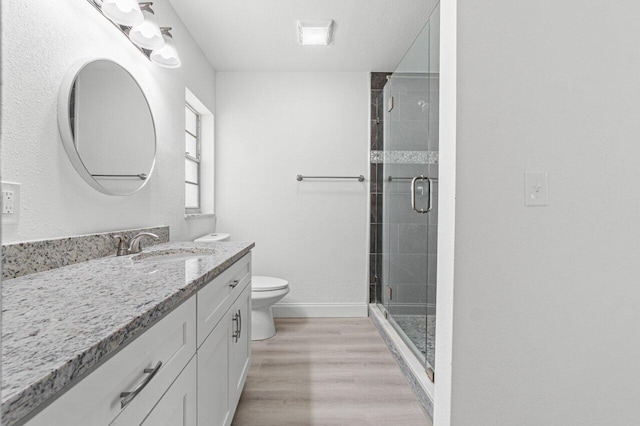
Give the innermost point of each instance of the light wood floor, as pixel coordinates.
(326, 371)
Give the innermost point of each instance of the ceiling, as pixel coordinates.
(260, 35)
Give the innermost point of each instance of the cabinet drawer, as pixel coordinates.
(216, 298)
(178, 406)
(96, 399)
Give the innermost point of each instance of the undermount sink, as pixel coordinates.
(172, 255)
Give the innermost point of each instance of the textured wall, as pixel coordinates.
(271, 127)
(41, 40)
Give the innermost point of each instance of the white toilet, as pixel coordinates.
(265, 291)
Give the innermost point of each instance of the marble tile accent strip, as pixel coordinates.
(38, 256)
(421, 393)
(405, 157)
(59, 324)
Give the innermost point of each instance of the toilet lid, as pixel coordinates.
(259, 283)
(218, 236)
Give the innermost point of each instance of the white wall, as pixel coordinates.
(41, 40)
(446, 212)
(272, 126)
(547, 299)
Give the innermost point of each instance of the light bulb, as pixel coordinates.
(123, 12)
(147, 35)
(167, 55)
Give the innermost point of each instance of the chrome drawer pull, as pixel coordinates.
(240, 324)
(234, 283)
(127, 397)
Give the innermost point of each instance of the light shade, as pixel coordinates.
(147, 35)
(315, 32)
(167, 55)
(123, 12)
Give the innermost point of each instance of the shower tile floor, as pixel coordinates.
(421, 331)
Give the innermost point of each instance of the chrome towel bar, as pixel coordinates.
(300, 177)
(391, 178)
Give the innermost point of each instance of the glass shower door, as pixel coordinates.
(410, 193)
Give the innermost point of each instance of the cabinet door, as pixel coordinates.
(178, 406)
(213, 377)
(240, 347)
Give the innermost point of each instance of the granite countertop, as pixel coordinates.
(58, 324)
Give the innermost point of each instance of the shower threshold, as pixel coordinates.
(412, 368)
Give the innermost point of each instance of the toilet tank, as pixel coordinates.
(217, 236)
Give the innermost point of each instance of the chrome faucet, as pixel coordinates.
(134, 245)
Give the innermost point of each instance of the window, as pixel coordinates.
(199, 158)
(192, 161)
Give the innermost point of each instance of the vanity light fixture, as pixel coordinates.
(147, 35)
(138, 22)
(315, 32)
(123, 12)
(167, 55)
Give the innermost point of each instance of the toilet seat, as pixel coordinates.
(261, 283)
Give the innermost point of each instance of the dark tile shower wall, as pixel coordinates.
(378, 80)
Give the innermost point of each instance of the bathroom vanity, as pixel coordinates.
(159, 339)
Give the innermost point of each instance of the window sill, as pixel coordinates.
(199, 216)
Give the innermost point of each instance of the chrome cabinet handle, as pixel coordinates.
(127, 397)
(237, 318)
(236, 332)
(234, 283)
(413, 194)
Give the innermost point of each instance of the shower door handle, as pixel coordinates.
(413, 194)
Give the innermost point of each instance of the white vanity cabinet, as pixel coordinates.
(224, 327)
(216, 298)
(96, 400)
(187, 370)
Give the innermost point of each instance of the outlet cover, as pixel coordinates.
(10, 203)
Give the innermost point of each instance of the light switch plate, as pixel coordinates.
(10, 198)
(536, 189)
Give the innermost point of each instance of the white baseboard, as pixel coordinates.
(320, 310)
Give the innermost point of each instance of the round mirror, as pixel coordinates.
(107, 128)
